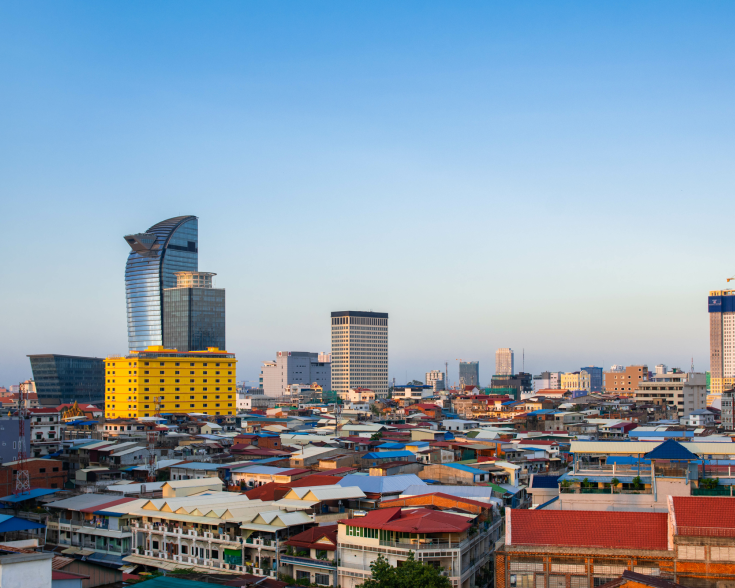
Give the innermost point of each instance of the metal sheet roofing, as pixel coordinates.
(82, 501)
(484, 493)
(387, 454)
(382, 484)
(197, 466)
(464, 468)
(34, 493)
(670, 449)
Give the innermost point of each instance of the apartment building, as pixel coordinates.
(436, 379)
(411, 394)
(295, 367)
(462, 545)
(625, 381)
(721, 307)
(217, 532)
(504, 362)
(146, 383)
(682, 393)
(45, 431)
(311, 556)
(577, 381)
(692, 544)
(360, 351)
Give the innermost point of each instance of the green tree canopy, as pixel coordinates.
(411, 574)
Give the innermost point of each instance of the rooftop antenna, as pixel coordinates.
(23, 478)
(692, 370)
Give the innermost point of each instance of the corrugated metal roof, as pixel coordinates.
(484, 493)
(464, 468)
(387, 454)
(614, 447)
(197, 466)
(82, 501)
(261, 469)
(382, 484)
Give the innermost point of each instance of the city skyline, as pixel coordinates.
(590, 146)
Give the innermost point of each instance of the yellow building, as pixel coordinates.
(576, 381)
(160, 380)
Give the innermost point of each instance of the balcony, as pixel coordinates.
(308, 561)
(719, 491)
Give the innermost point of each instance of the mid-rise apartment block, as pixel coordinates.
(547, 381)
(295, 367)
(157, 380)
(680, 392)
(504, 362)
(360, 351)
(625, 381)
(435, 379)
(721, 306)
(727, 417)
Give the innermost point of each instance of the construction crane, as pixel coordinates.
(731, 279)
(23, 478)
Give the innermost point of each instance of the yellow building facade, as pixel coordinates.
(160, 380)
(576, 381)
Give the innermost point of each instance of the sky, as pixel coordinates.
(551, 177)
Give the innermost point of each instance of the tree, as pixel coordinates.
(415, 383)
(409, 575)
(376, 436)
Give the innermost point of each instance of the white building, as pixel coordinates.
(504, 362)
(45, 430)
(685, 392)
(364, 395)
(435, 379)
(295, 367)
(360, 351)
(660, 369)
(701, 418)
(414, 393)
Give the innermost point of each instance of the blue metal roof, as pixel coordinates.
(35, 493)
(391, 446)
(671, 449)
(636, 433)
(10, 523)
(381, 484)
(626, 459)
(387, 454)
(465, 468)
(545, 481)
(197, 466)
(604, 479)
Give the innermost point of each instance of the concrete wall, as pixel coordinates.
(26, 570)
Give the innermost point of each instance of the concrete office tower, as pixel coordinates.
(469, 373)
(721, 306)
(295, 367)
(360, 352)
(504, 362)
(194, 313)
(156, 255)
(435, 379)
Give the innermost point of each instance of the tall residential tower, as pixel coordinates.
(504, 362)
(721, 306)
(166, 248)
(360, 351)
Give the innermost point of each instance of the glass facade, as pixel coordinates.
(469, 373)
(65, 378)
(166, 248)
(194, 318)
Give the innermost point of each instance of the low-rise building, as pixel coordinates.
(682, 393)
(461, 545)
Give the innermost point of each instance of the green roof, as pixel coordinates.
(169, 582)
(496, 488)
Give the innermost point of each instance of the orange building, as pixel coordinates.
(625, 383)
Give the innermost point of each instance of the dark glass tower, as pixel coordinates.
(166, 248)
(469, 373)
(65, 378)
(194, 313)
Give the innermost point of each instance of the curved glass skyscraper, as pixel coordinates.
(166, 248)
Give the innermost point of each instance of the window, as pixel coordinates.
(322, 579)
(691, 552)
(215, 554)
(523, 581)
(155, 544)
(42, 470)
(300, 575)
(720, 553)
(191, 406)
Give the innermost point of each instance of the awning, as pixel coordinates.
(85, 552)
(70, 550)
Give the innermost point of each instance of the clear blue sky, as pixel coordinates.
(550, 176)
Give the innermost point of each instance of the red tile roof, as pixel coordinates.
(43, 410)
(419, 520)
(308, 539)
(704, 516)
(629, 530)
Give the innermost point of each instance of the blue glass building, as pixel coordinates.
(166, 248)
